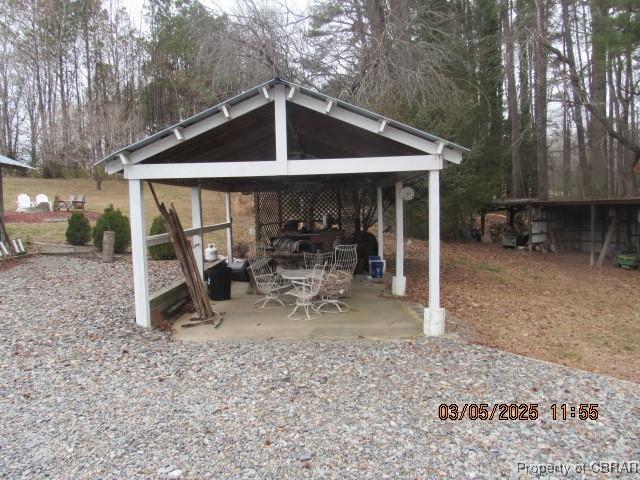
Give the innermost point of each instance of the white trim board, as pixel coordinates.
(162, 238)
(408, 163)
(164, 171)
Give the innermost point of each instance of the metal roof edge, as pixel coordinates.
(562, 201)
(14, 163)
(255, 90)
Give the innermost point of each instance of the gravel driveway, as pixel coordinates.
(86, 394)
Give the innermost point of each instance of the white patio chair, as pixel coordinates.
(346, 258)
(268, 282)
(42, 198)
(24, 203)
(337, 283)
(319, 258)
(305, 292)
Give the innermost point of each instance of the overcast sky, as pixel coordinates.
(136, 7)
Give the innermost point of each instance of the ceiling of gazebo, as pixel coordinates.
(310, 135)
(251, 127)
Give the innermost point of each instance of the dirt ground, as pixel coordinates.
(554, 307)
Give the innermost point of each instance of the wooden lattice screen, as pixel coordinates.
(303, 202)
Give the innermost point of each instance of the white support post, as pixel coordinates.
(380, 224)
(139, 253)
(398, 283)
(280, 107)
(196, 222)
(227, 205)
(434, 316)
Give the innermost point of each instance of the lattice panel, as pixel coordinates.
(302, 202)
(349, 214)
(309, 205)
(268, 215)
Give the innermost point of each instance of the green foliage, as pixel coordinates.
(160, 252)
(113, 220)
(78, 229)
(621, 32)
(181, 82)
(464, 193)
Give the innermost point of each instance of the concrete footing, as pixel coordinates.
(398, 286)
(434, 322)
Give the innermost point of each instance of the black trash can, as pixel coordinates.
(218, 281)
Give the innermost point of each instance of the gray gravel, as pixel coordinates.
(86, 394)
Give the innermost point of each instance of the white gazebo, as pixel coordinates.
(277, 134)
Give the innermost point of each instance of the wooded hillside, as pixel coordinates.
(545, 92)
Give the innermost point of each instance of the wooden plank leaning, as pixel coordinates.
(184, 252)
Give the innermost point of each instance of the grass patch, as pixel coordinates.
(568, 355)
(116, 192)
(474, 264)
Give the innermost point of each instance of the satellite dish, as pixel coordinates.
(407, 194)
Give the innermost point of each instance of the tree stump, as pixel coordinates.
(108, 241)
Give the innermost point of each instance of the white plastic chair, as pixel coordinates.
(42, 198)
(305, 291)
(24, 203)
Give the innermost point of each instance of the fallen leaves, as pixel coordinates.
(536, 304)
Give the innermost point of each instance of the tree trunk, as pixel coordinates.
(577, 102)
(566, 147)
(540, 98)
(598, 93)
(517, 183)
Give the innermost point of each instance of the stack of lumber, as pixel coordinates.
(184, 252)
(8, 247)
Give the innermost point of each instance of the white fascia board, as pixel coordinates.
(192, 131)
(373, 126)
(163, 171)
(113, 166)
(270, 168)
(408, 163)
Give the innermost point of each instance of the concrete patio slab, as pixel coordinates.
(374, 314)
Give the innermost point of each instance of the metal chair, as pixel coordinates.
(305, 291)
(268, 282)
(346, 258)
(336, 285)
(319, 258)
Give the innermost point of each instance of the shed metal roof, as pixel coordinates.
(13, 163)
(562, 201)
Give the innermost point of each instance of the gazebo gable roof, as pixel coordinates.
(298, 97)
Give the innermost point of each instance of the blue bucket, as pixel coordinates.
(376, 268)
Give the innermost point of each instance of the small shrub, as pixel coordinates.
(78, 229)
(113, 220)
(160, 252)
